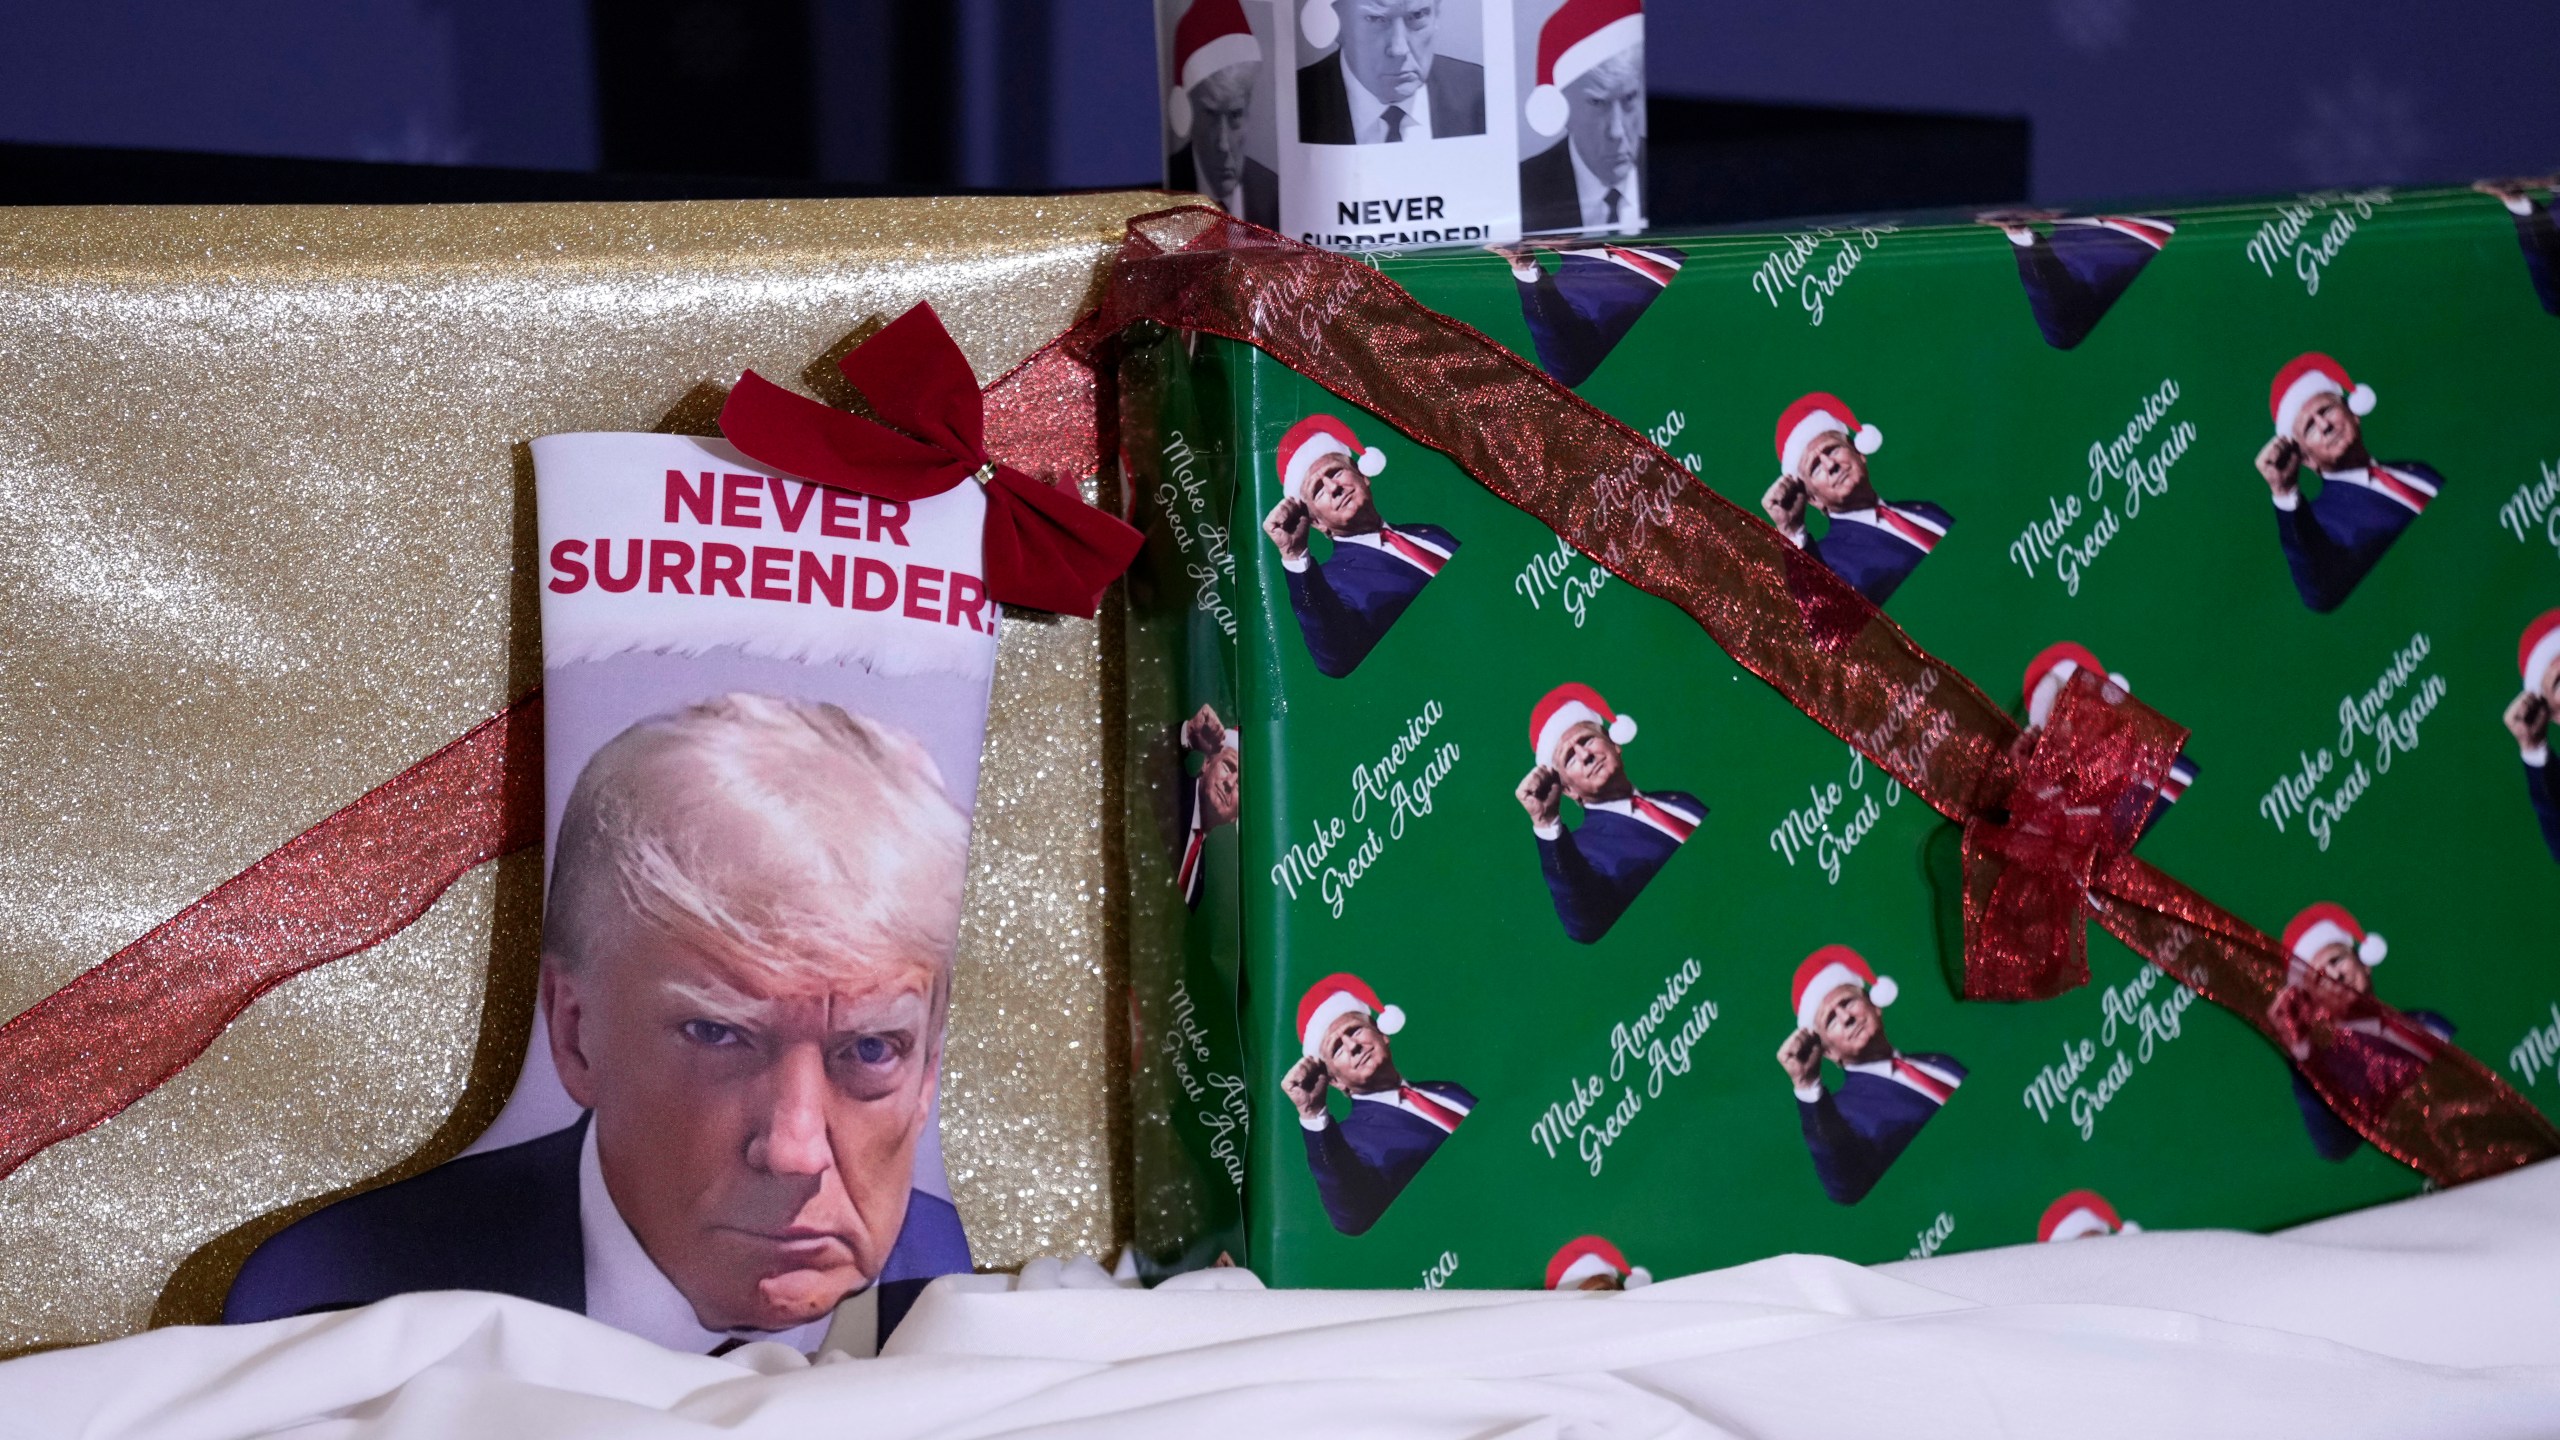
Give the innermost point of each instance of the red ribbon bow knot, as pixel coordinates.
(1045, 548)
(2086, 783)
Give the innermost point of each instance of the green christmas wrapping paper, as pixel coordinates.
(1493, 928)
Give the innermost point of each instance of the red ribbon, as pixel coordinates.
(1045, 547)
(82, 1054)
(2085, 784)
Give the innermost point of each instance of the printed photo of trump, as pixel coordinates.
(1590, 91)
(1364, 1158)
(2079, 1215)
(1578, 311)
(1208, 800)
(1592, 1263)
(2372, 1054)
(1389, 78)
(1822, 465)
(2332, 539)
(1346, 603)
(2537, 230)
(747, 948)
(2077, 268)
(1217, 70)
(1627, 835)
(2052, 669)
(2528, 719)
(1856, 1132)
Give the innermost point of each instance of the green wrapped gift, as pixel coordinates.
(1494, 927)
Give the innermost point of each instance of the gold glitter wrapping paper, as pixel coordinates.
(269, 542)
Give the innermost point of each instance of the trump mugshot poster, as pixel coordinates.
(1528, 921)
(764, 702)
(1360, 124)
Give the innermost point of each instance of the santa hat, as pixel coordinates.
(1335, 996)
(1831, 967)
(2324, 925)
(2308, 374)
(1581, 34)
(1209, 37)
(1815, 415)
(1566, 706)
(2053, 669)
(2541, 646)
(2082, 1212)
(1581, 1259)
(1314, 438)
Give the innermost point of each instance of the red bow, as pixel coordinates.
(1045, 547)
(2086, 783)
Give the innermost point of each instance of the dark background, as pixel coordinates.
(2119, 97)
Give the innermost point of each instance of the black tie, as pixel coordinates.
(1395, 122)
(1612, 197)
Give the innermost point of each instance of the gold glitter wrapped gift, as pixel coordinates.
(269, 541)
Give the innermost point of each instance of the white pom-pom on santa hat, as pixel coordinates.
(1319, 24)
(1391, 1020)
(1869, 440)
(1211, 36)
(1578, 36)
(1566, 706)
(1372, 460)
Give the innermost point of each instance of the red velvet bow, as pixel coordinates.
(2086, 783)
(1045, 547)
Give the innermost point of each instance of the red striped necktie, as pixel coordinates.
(1921, 1080)
(1671, 824)
(2398, 489)
(1429, 1108)
(1906, 527)
(1428, 562)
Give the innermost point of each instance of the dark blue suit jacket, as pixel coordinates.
(1363, 1160)
(2331, 539)
(2332, 1137)
(1874, 561)
(1579, 311)
(2074, 275)
(2542, 783)
(1346, 605)
(2161, 802)
(1594, 873)
(504, 1220)
(2539, 235)
(1856, 1132)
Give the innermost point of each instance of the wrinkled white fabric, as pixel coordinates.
(2438, 1316)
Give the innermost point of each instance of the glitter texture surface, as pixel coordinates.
(270, 543)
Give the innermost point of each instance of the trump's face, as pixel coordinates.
(1219, 788)
(1219, 105)
(1604, 115)
(2339, 965)
(1590, 763)
(1849, 1024)
(1353, 1051)
(1605, 1280)
(1389, 44)
(2327, 431)
(1832, 471)
(1336, 495)
(759, 1137)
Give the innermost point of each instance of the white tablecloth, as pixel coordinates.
(2438, 1316)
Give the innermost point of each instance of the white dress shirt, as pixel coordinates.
(1369, 113)
(627, 1290)
(1593, 192)
(1882, 1070)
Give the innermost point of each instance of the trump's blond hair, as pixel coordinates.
(784, 838)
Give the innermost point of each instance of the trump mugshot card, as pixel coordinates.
(764, 704)
(1360, 124)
